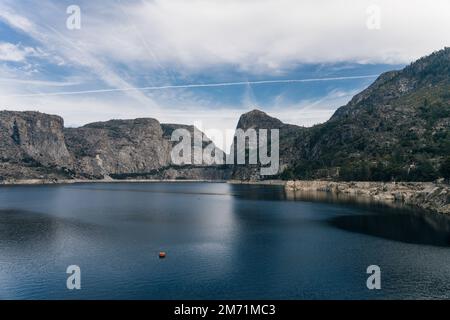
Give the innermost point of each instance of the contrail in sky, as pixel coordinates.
(187, 86)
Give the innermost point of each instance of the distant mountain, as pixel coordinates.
(398, 128)
(257, 119)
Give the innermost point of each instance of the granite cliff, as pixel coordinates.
(32, 145)
(117, 147)
(37, 146)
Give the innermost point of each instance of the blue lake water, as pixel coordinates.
(222, 242)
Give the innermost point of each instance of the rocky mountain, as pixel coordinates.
(398, 128)
(257, 120)
(34, 145)
(117, 147)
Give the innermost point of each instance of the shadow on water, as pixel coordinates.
(408, 227)
(23, 228)
(388, 220)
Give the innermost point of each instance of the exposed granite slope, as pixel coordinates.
(32, 145)
(288, 148)
(430, 196)
(118, 146)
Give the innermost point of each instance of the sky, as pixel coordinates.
(206, 62)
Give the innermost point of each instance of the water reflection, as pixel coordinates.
(331, 197)
(254, 192)
(384, 219)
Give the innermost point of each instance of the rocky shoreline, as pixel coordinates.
(429, 196)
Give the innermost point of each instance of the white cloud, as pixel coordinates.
(254, 35)
(267, 35)
(39, 27)
(38, 82)
(259, 36)
(15, 20)
(14, 53)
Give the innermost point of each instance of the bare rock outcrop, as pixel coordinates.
(429, 196)
(32, 145)
(118, 146)
(37, 146)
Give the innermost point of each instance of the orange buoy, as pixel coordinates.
(162, 254)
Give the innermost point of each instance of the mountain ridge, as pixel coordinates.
(396, 129)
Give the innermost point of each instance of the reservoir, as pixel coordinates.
(221, 241)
